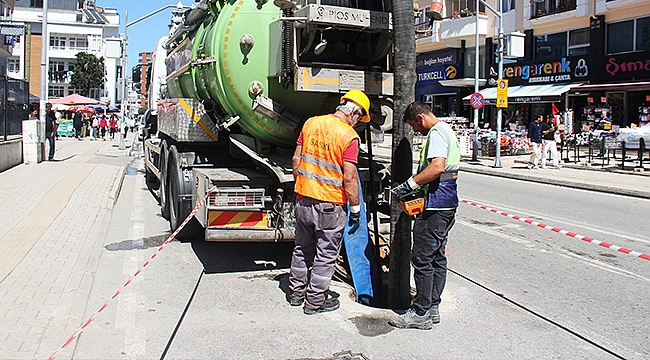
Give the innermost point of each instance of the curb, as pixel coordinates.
(565, 183)
(117, 188)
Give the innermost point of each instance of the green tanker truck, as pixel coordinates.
(231, 87)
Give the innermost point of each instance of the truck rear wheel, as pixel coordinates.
(164, 181)
(178, 192)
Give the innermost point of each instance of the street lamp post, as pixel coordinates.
(497, 158)
(124, 56)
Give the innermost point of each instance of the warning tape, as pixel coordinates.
(560, 231)
(105, 305)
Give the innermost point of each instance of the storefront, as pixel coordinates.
(431, 68)
(580, 86)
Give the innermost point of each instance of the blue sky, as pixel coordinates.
(144, 35)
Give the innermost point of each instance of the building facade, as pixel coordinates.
(73, 26)
(580, 57)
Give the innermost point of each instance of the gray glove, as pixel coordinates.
(405, 188)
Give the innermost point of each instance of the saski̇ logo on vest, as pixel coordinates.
(541, 72)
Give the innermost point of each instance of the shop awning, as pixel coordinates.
(529, 93)
(631, 86)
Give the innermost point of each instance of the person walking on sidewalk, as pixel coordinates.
(324, 168)
(113, 126)
(102, 127)
(548, 135)
(50, 129)
(77, 123)
(535, 136)
(436, 176)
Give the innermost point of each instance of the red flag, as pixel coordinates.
(554, 109)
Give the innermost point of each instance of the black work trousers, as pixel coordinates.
(51, 139)
(430, 232)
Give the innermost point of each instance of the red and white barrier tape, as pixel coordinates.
(105, 305)
(560, 231)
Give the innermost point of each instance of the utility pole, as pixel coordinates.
(399, 285)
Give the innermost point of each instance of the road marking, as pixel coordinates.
(560, 231)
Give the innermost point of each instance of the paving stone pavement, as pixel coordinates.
(56, 215)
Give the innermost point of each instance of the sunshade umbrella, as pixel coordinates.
(75, 99)
(83, 108)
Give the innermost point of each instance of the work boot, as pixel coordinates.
(411, 320)
(434, 314)
(296, 301)
(330, 304)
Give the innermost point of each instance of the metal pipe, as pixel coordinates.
(476, 74)
(44, 65)
(497, 157)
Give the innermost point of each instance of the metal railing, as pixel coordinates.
(543, 8)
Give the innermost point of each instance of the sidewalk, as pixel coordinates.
(608, 179)
(55, 215)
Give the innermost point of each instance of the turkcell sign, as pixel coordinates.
(546, 72)
(324, 14)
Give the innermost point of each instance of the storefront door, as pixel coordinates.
(617, 101)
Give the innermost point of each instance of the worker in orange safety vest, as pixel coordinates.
(324, 169)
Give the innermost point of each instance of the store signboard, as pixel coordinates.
(436, 73)
(437, 58)
(608, 68)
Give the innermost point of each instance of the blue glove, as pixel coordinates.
(355, 219)
(405, 188)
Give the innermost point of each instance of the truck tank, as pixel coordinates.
(267, 69)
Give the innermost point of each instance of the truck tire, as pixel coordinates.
(164, 181)
(177, 190)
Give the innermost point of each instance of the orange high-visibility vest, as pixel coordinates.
(320, 174)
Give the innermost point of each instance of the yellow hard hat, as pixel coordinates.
(359, 98)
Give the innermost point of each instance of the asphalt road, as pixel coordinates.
(514, 290)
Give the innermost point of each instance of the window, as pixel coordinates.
(57, 73)
(78, 43)
(95, 43)
(56, 91)
(579, 42)
(551, 46)
(458, 6)
(57, 42)
(629, 35)
(36, 3)
(507, 5)
(13, 65)
(643, 34)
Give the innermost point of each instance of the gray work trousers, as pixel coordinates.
(319, 233)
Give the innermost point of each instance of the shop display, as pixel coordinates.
(644, 115)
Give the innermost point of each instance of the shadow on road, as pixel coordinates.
(219, 257)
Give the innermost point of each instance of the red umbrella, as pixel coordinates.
(75, 99)
(82, 108)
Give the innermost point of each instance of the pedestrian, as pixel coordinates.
(113, 126)
(77, 123)
(535, 136)
(94, 128)
(33, 114)
(604, 123)
(324, 169)
(436, 176)
(50, 129)
(102, 127)
(548, 135)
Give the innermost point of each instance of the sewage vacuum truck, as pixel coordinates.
(230, 89)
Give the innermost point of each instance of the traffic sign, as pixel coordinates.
(477, 100)
(502, 93)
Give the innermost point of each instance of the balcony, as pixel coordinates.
(541, 8)
(463, 28)
(59, 77)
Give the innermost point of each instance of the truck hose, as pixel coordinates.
(196, 15)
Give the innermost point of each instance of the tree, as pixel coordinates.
(88, 73)
(142, 110)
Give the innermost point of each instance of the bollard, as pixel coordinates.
(622, 155)
(641, 151)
